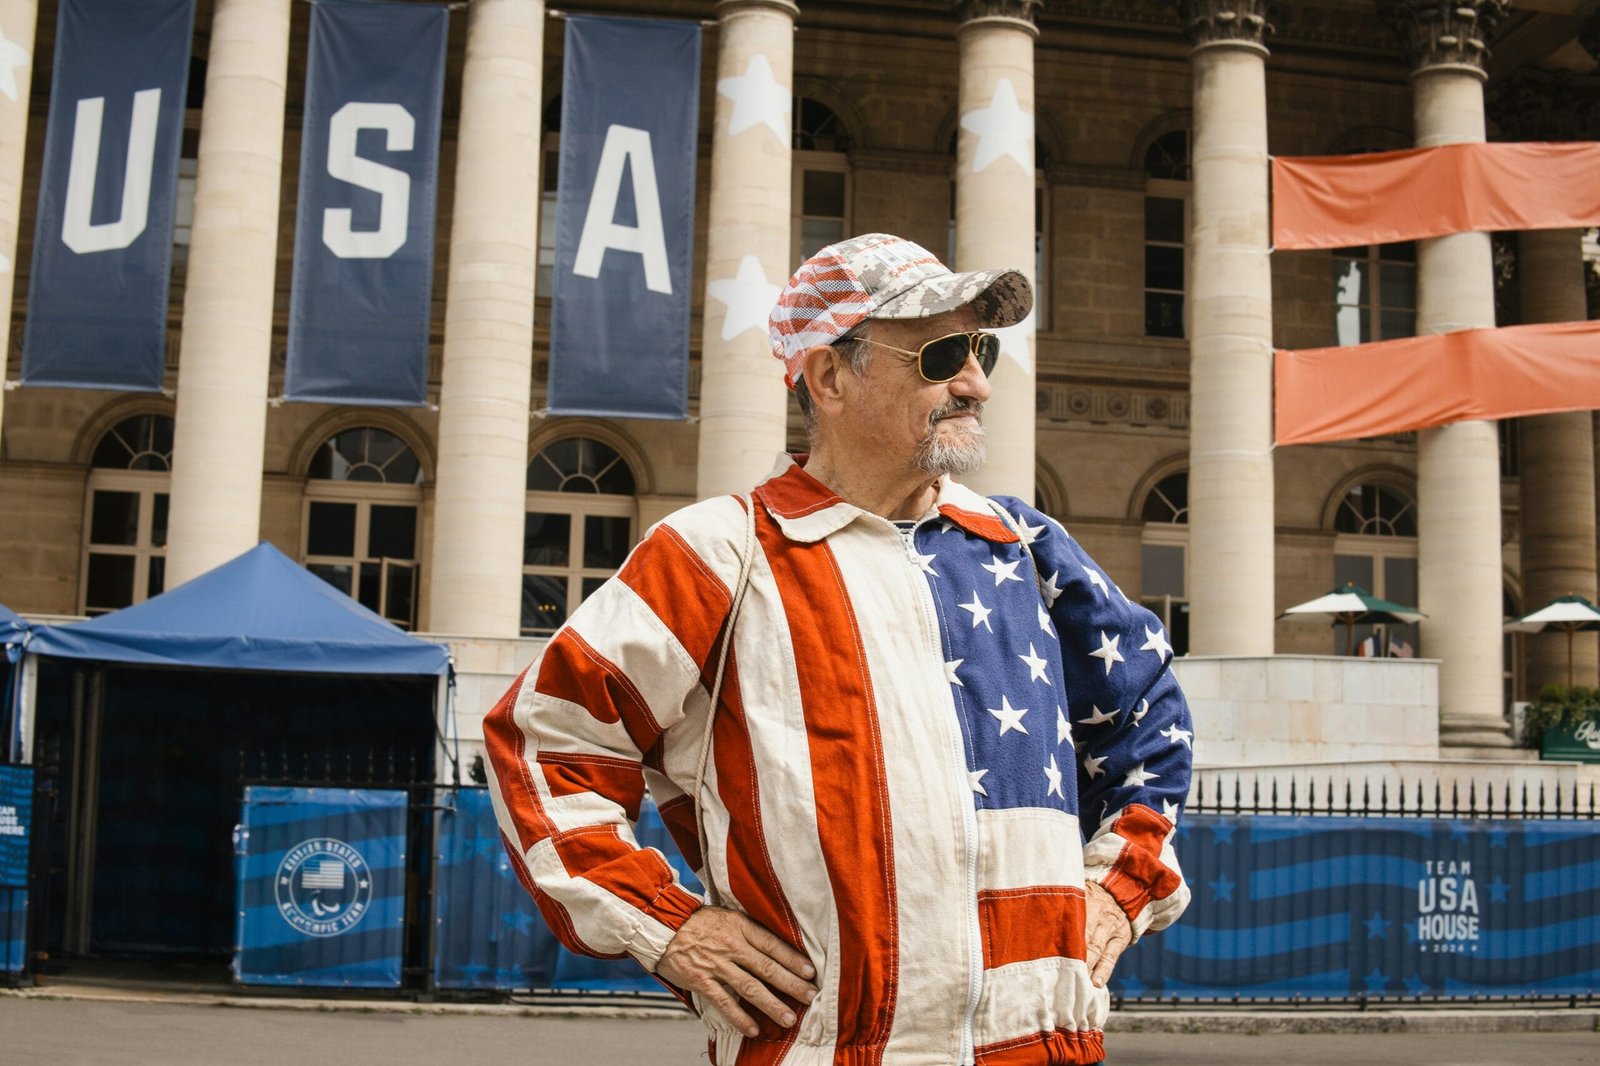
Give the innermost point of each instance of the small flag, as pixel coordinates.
(328, 873)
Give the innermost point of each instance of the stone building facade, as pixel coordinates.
(1144, 421)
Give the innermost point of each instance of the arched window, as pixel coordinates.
(579, 527)
(1164, 544)
(1166, 229)
(362, 505)
(820, 197)
(125, 515)
(1375, 546)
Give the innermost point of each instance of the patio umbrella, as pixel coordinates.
(1352, 605)
(1569, 614)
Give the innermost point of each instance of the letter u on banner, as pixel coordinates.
(619, 332)
(102, 247)
(362, 295)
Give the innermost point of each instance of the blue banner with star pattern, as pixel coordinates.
(1337, 908)
(487, 932)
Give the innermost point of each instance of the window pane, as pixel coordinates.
(158, 521)
(392, 532)
(331, 529)
(1163, 219)
(817, 233)
(1398, 253)
(1163, 268)
(1350, 287)
(1400, 581)
(1163, 570)
(156, 584)
(371, 584)
(110, 583)
(605, 541)
(334, 574)
(822, 193)
(114, 518)
(1398, 324)
(399, 591)
(1163, 314)
(591, 585)
(1398, 286)
(546, 539)
(544, 602)
(1352, 325)
(1353, 568)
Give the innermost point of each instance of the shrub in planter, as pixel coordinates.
(1558, 705)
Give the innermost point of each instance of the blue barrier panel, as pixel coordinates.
(322, 884)
(13, 929)
(487, 932)
(1341, 907)
(16, 818)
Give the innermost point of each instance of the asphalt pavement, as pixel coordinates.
(102, 1029)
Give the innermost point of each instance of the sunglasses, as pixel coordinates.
(942, 358)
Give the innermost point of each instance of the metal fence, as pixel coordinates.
(1214, 793)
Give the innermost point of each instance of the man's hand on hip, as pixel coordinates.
(726, 958)
(1108, 933)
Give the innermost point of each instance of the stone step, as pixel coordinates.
(1448, 753)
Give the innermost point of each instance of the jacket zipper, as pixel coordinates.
(969, 818)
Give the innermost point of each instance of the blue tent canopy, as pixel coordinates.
(259, 611)
(11, 626)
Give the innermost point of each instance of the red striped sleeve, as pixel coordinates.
(1040, 922)
(506, 746)
(848, 778)
(639, 877)
(570, 773)
(682, 590)
(1138, 875)
(572, 670)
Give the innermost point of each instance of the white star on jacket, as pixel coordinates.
(1107, 651)
(1138, 776)
(1002, 572)
(1100, 717)
(1009, 717)
(1092, 767)
(1051, 590)
(975, 779)
(1178, 736)
(1003, 129)
(1156, 642)
(1063, 727)
(1044, 620)
(924, 562)
(1169, 811)
(747, 295)
(758, 99)
(1036, 665)
(980, 613)
(1028, 533)
(13, 57)
(1053, 773)
(1143, 709)
(950, 672)
(1097, 579)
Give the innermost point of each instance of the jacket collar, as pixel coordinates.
(806, 510)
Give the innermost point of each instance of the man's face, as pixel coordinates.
(935, 427)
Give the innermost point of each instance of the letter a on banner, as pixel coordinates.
(102, 249)
(361, 298)
(619, 328)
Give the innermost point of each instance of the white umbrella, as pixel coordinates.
(1352, 605)
(1569, 614)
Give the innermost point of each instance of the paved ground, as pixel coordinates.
(96, 1031)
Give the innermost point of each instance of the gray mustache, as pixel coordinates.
(958, 405)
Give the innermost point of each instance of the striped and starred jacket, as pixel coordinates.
(914, 736)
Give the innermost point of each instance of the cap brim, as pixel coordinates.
(1001, 298)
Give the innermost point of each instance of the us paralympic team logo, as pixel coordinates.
(323, 887)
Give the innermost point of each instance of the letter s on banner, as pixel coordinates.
(625, 146)
(77, 232)
(392, 186)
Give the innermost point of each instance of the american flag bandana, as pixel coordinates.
(878, 275)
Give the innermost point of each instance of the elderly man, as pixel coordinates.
(879, 712)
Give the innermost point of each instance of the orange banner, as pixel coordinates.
(1383, 197)
(1372, 390)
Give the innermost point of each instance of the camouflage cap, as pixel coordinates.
(881, 276)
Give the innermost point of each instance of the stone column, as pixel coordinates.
(1231, 520)
(16, 79)
(1458, 467)
(995, 216)
(484, 396)
(1556, 451)
(743, 402)
(220, 430)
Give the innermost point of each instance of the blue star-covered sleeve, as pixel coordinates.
(1130, 723)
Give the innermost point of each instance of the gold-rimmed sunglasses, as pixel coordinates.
(942, 358)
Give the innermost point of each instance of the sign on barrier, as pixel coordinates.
(322, 883)
(1335, 907)
(16, 816)
(487, 932)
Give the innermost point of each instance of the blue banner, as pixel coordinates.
(13, 930)
(16, 819)
(322, 887)
(488, 933)
(619, 327)
(102, 247)
(362, 293)
(1334, 907)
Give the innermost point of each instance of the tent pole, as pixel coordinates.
(26, 708)
(1570, 630)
